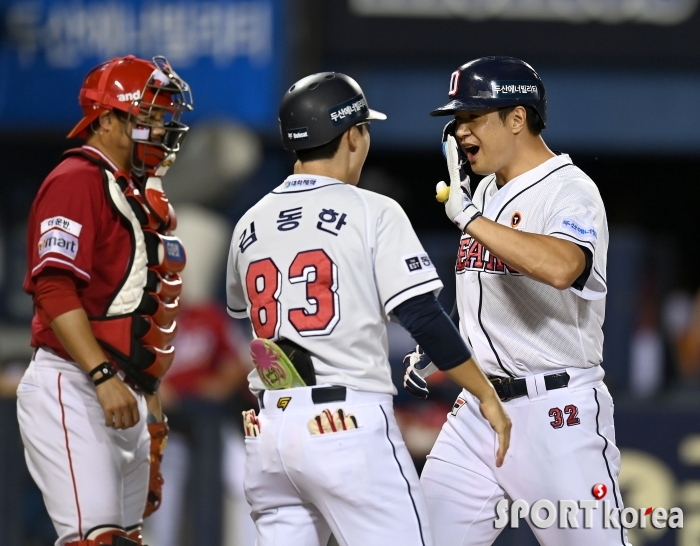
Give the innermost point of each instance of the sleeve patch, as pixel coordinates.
(577, 229)
(60, 242)
(61, 222)
(418, 263)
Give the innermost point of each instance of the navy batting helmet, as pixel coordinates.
(494, 82)
(320, 107)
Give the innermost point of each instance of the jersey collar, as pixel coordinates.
(522, 181)
(103, 156)
(304, 182)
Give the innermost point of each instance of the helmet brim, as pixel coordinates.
(375, 116)
(80, 130)
(462, 106)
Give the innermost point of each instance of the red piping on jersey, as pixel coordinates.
(70, 459)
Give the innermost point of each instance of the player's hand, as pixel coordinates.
(493, 411)
(449, 130)
(118, 403)
(418, 366)
(458, 206)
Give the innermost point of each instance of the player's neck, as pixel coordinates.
(332, 168)
(120, 159)
(528, 155)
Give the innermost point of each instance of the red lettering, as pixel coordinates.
(495, 264)
(475, 255)
(462, 254)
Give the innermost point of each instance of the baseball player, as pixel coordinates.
(531, 301)
(103, 276)
(320, 266)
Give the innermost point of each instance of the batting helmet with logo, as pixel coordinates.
(320, 107)
(494, 82)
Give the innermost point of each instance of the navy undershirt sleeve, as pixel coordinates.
(427, 322)
(579, 283)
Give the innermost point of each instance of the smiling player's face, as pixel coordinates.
(485, 139)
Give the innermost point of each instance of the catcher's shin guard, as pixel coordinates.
(134, 535)
(107, 536)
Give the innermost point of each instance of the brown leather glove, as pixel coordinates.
(159, 437)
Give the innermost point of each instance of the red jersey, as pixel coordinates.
(73, 227)
(203, 343)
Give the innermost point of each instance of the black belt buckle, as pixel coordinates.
(324, 395)
(508, 388)
(498, 384)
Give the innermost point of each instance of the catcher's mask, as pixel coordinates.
(149, 96)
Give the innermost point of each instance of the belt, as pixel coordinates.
(320, 395)
(508, 388)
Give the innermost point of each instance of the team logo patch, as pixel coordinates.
(458, 405)
(284, 402)
(418, 263)
(302, 133)
(348, 110)
(173, 249)
(61, 222)
(60, 242)
(454, 83)
(581, 231)
(515, 219)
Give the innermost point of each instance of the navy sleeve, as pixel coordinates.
(579, 283)
(427, 322)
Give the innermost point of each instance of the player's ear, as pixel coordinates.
(105, 122)
(517, 120)
(352, 135)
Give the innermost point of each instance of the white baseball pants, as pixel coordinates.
(562, 444)
(359, 484)
(90, 475)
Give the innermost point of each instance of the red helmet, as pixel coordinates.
(137, 87)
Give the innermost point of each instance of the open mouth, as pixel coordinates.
(471, 152)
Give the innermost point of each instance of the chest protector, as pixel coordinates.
(138, 323)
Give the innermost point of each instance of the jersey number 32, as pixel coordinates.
(264, 285)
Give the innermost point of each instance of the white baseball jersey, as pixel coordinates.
(518, 326)
(563, 440)
(323, 263)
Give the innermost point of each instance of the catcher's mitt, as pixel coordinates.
(159, 437)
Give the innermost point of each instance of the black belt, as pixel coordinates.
(320, 395)
(508, 388)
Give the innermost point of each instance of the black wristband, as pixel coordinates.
(107, 370)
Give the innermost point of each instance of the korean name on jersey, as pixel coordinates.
(323, 263)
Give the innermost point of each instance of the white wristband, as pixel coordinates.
(465, 217)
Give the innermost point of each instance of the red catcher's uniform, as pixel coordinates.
(82, 221)
(73, 227)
